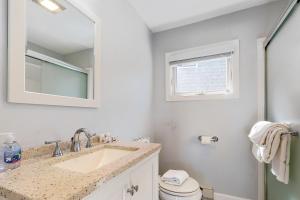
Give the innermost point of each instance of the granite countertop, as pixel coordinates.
(38, 179)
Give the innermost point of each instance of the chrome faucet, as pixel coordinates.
(75, 141)
(57, 151)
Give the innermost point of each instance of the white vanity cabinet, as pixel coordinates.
(139, 182)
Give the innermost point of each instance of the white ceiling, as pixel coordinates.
(63, 33)
(162, 15)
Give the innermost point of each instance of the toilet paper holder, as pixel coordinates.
(213, 139)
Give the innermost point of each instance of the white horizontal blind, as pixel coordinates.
(205, 75)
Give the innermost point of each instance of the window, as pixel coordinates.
(208, 72)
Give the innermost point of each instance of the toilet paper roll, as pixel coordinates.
(208, 139)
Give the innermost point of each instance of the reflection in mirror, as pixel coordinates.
(59, 49)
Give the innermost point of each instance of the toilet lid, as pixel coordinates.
(167, 193)
(189, 186)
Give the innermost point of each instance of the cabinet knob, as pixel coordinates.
(136, 188)
(133, 189)
(130, 191)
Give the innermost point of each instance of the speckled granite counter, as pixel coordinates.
(38, 179)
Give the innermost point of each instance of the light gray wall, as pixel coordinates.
(42, 50)
(126, 84)
(229, 165)
(283, 70)
(83, 59)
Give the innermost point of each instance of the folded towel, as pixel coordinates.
(175, 177)
(271, 145)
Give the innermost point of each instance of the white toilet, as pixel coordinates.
(189, 190)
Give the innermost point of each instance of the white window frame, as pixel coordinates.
(198, 52)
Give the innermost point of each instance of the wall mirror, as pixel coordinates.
(54, 48)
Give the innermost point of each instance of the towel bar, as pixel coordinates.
(292, 133)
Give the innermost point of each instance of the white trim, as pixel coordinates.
(16, 61)
(203, 51)
(261, 79)
(219, 196)
(261, 106)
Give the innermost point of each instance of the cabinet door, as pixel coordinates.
(116, 189)
(144, 175)
(145, 178)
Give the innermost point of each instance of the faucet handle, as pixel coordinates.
(114, 139)
(89, 142)
(52, 142)
(57, 151)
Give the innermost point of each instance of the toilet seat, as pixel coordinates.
(189, 190)
(165, 196)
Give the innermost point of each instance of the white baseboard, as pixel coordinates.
(219, 196)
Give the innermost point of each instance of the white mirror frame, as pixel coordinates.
(16, 61)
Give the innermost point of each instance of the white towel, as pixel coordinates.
(175, 177)
(271, 146)
(281, 162)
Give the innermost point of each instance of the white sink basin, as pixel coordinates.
(92, 161)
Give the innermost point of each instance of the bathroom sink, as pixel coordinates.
(93, 161)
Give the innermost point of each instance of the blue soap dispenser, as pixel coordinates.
(12, 152)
